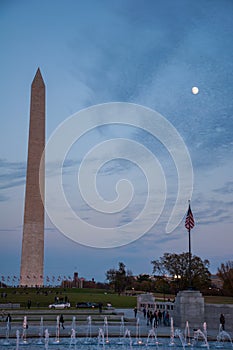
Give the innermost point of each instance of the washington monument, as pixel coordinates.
(32, 256)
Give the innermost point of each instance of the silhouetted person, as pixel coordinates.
(151, 318)
(148, 317)
(8, 321)
(62, 321)
(100, 307)
(160, 315)
(167, 319)
(222, 321)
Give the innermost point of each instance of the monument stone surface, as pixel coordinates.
(189, 306)
(32, 255)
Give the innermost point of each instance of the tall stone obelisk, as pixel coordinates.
(32, 256)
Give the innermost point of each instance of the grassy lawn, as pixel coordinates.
(45, 296)
(218, 300)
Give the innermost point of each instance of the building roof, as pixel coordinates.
(146, 298)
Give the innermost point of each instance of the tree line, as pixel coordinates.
(171, 273)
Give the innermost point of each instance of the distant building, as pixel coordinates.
(216, 282)
(75, 283)
(146, 301)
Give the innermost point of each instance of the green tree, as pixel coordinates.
(176, 266)
(162, 285)
(143, 277)
(225, 272)
(119, 279)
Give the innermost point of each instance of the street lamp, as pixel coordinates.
(177, 278)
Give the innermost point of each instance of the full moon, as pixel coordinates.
(195, 90)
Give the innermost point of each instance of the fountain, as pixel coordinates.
(138, 340)
(73, 340)
(17, 339)
(198, 334)
(73, 325)
(8, 325)
(122, 331)
(128, 335)
(57, 338)
(187, 334)
(152, 338)
(101, 339)
(88, 339)
(222, 337)
(24, 334)
(179, 333)
(41, 331)
(46, 334)
(172, 343)
(106, 329)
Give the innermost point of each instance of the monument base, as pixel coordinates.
(189, 306)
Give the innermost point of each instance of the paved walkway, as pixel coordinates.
(162, 331)
(136, 326)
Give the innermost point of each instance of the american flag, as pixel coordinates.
(189, 221)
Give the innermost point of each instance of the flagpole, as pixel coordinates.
(190, 279)
(189, 224)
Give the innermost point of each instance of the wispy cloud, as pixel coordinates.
(12, 174)
(3, 198)
(158, 68)
(227, 188)
(8, 229)
(213, 211)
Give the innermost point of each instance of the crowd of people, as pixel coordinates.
(155, 318)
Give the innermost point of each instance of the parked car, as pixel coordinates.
(86, 305)
(83, 305)
(59, 306)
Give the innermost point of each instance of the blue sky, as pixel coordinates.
(149, 53)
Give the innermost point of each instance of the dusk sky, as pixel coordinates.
(129, 65)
